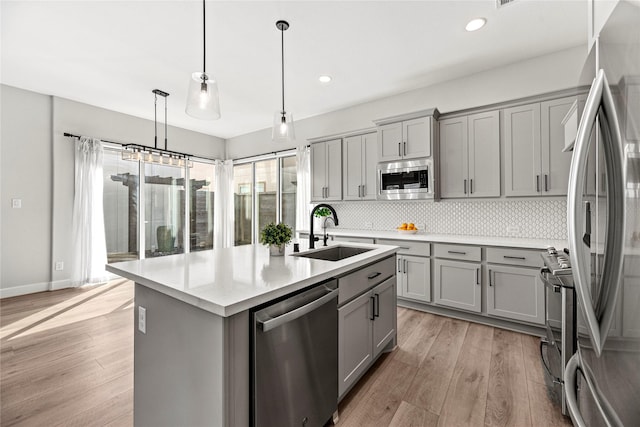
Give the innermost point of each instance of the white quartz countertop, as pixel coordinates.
(231, 280)
(511, 242)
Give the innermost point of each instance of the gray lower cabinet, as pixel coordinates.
(458, 284)
(414, 277)
(365, 326)
(515, 293)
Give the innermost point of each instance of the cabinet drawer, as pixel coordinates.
(353, 284)
(408, 247)
(524, 257)
(467, 253)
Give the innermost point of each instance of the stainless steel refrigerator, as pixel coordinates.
(603, 212)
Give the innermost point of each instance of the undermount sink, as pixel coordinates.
(334, 253)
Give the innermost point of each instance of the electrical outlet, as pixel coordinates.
(420, 226)
(142, 319)
(368, 225)
(513, 229)
(59, 265)
(16, 203)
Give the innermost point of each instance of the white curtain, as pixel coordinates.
(303, 191)
(89, 244)
(223, 212)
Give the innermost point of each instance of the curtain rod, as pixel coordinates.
(125, 145)
(247, 159)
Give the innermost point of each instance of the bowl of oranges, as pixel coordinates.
(407, 228)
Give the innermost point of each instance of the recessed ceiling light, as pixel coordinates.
(324, 79)
(475, 24)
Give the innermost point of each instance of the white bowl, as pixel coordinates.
(407, 231)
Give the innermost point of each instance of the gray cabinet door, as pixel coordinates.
(370, 158)
(390, 142)
(417, 138)
(352, 160)
(484, 154)
(334, 170)
(457, 284)
(453, 157)
(515, 293)
(384, 314)
(416, 277)
(521, 133)
(555, 163)
(355, 335)
(318, 171)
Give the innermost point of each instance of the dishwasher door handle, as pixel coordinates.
(296, 313)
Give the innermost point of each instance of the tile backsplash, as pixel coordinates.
(544, 219)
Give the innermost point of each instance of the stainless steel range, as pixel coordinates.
(559, 345)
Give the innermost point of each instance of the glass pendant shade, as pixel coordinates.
(202, 99)
(283, 130)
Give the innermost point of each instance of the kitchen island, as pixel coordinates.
(192, 326)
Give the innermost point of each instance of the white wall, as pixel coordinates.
(25, 241)
(38, 165)
(557, 71)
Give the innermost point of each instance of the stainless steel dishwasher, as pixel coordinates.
(294, 363)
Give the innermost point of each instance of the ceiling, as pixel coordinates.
(112, 54)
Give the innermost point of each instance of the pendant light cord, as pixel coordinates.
(155, 121)
(204, 39)
(282, 50)
(165, 122)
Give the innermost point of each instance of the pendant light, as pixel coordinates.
(202, 99)
(282, 121)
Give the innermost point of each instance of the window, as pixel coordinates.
(164, 209)
(265, 192)
(120, 206)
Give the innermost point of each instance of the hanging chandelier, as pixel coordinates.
(283, 130)
(202, 98)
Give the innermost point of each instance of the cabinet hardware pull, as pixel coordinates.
(373, 310)
(399, 267)
(546, 182)
(376, 312)
(478, 276)
(399, 149)
(363, 191)
(514, 257)
(465, 186)
(457, 252)
(404, 247)
(537, 183)
(405, 148)
(490, 281)
(471, 186)
(405, 266)
(373, 276)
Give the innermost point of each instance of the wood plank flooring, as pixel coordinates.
(66, 359)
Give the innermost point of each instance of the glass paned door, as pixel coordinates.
(243, 203)
(120, 200)
(164, 220)
(201, 199)
(288, 188)
(266, 193)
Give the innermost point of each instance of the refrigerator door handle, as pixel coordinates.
(602, 404)
(599, 316)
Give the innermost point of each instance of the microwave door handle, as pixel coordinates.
(599, 96)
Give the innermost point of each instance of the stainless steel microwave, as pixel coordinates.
(406, 179)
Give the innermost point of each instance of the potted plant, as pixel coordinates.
(321, 214)
(276, 236)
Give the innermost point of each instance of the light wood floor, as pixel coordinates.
(66, 359)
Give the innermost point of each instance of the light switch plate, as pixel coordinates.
(16, 203)
(59, 265)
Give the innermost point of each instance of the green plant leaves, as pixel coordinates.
(276, 234)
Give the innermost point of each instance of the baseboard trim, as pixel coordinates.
(30, 288)
(60, 284)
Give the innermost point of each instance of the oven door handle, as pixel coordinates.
(544, 343)
(598, 314)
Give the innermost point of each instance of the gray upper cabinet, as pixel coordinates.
(470, 156)
(326, 171)
(360, 157)
(408, 139)
(533, 141)
(522, 150)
